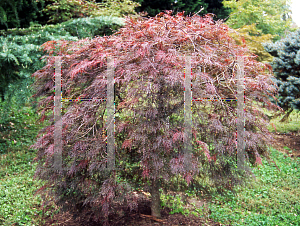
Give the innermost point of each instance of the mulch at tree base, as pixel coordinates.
(135, 218)
(66, 219)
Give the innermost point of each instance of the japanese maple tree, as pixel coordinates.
(149, 56)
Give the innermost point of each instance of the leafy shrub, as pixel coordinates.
(249, 36)
(266, 15)
(64, 10)
(148, 91)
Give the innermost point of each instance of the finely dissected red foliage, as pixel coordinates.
(149, 56)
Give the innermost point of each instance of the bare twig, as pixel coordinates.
(202, 8)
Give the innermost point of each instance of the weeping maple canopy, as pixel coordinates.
(149, 60)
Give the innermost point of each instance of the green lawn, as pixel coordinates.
(292, 125)
(271, 200)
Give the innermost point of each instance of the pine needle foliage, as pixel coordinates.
(20, 57)
(149, 85)
(20, 53)
(286, 67)
(81, 27)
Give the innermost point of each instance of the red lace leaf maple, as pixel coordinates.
(149, 59)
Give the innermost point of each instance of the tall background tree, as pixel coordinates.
(19, 13)
(217, 7)
(190, 7)
(155, 7)
(269, 16)
(259, 21)
(149, 83)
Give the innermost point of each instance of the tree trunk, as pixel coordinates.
(155, 199)
(276, 115)
(284, 119)
(2, 95)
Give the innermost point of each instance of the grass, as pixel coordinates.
(17, 203)
(273, 199)
(292, 125)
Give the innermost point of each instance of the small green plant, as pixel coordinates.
(201, 211)
(174, 203)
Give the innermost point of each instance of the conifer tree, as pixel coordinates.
(286, 67)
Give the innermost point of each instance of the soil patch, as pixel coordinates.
(290, 140)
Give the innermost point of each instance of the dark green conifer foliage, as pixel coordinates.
(20, 57)
(19, 13)
(20, 48)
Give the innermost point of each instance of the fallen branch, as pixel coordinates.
(152, 218)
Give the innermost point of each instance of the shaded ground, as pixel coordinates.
(290, 140)
(134, 218)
